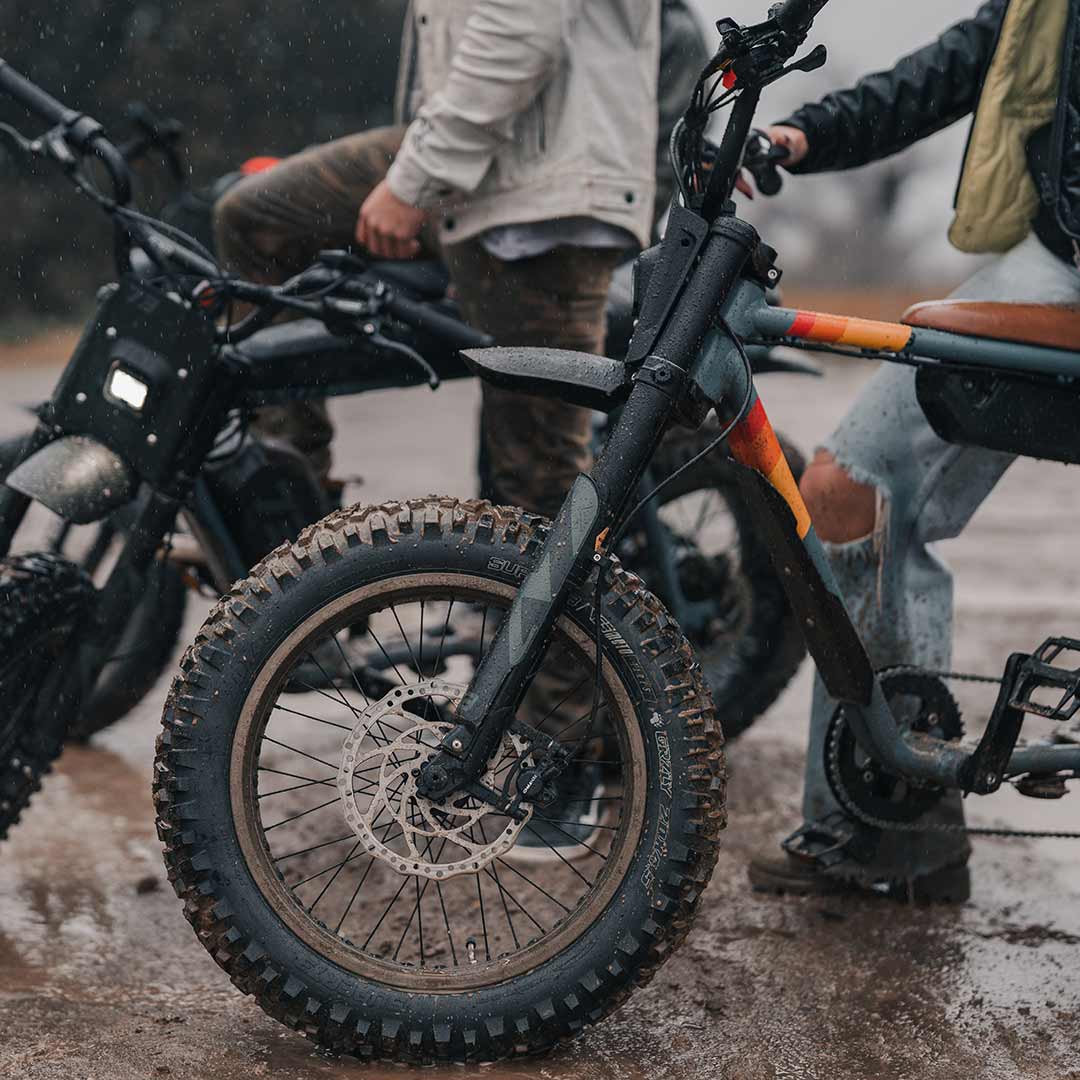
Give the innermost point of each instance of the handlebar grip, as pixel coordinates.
(456, 334)
(768, 179)
(795, 16)
(32, 97)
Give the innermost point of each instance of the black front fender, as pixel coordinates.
(77, 478)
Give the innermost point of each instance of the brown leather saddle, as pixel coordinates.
(1054, 325)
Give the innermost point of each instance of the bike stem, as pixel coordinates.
(591, 509)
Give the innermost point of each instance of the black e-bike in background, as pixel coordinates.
(156, 483)
(353, 862)
(253, 491)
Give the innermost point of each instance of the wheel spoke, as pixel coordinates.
(315, 847)
(303, 813)
(442, 639)
(570, 865)
(340, 867)
(322, 671)
(446, 922)
(307, 716)
(302, 753)
(386, 656)
(404, 638)
(505, 892)
(528, 880)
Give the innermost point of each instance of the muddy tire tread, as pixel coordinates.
(36, 592)
(335, 1025)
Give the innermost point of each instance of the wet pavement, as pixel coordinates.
(101, 977)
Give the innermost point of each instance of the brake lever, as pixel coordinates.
(29, 147)
(367, 311)
(381, 341)
(813, 60)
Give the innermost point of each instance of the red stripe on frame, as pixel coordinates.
(803, 324)
(752, 423)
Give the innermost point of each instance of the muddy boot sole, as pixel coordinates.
(786, 876)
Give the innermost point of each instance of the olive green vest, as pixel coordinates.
(997, 199)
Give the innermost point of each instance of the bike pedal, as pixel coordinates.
(827, 843)
(1039, 673)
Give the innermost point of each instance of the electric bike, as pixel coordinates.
(355, 862)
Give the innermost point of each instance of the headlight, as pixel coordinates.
(123, 387)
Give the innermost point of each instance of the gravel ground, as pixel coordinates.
(101, 977)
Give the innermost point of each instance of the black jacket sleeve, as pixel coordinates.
(889, 110)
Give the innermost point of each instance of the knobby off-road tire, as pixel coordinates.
(329, 988)
(748, 671)
(149, 640)
(43, 599)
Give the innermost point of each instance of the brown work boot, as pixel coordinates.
(786, 875)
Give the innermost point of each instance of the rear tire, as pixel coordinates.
(746, 671)
(43, 600)
(149, 640)
(256, 923)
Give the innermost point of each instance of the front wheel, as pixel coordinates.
(359, 912)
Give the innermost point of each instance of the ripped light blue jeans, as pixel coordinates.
(897, 588)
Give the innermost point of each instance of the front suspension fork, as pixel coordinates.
(590, 511)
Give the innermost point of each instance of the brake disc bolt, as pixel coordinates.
(457, 745)
(151, 439)
(80, 397)
(110, 332)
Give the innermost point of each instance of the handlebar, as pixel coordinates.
(81, 132)
(456, 334)
(33, 98)
(795, 16)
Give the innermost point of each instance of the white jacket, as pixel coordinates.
(530, 110)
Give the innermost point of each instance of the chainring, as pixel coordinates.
(922, 703)
(383, 754)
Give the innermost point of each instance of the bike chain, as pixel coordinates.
(886, 825)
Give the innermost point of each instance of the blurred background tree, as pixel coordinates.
(244, 76)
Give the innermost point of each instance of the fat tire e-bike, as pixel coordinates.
(362, 881)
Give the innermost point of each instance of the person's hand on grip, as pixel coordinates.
(388, 227)
(792, 139)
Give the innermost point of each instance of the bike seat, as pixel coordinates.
(1056, 326)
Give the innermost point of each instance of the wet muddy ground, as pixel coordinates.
(101, 977)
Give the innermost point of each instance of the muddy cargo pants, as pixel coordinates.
(898, 589)
(273, 224)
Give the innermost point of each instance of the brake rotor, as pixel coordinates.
(921, 703)
(380, 765)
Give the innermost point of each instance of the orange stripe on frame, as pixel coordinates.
(857, 333)
(782, 479)
(754, 443)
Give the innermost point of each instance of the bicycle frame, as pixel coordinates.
(812, 586)
(691, 356)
